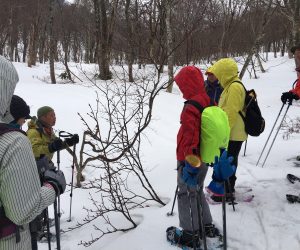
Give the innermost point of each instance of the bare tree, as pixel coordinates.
(259, 31)
(126, 108)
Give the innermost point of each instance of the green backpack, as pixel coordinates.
(215, 131)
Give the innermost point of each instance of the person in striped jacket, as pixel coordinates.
(21, 196)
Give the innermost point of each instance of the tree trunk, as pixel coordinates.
(104, 35)
(32, 45)
(246, 64)
(25, 42)
(259, 62)
(51, 42)
(66, 48)
(170, 54)
(130, 53)
(275, 49)
(11, 47)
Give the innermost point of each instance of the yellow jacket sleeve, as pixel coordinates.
(235, 103)
(39, 143)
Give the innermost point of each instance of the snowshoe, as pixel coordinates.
(182, 238)
(292, 178)
(293, 198)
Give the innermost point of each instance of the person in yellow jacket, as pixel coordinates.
(44, 143)
(41, 135)
(231, 101)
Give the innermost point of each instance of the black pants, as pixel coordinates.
(234, 148)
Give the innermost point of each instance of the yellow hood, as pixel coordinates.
(32, 124)
(225, 70)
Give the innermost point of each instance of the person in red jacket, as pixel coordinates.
(191, 172)
(294, 94)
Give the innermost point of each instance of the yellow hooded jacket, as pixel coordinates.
(233, 96)
(39, 140)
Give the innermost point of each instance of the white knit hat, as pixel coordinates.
(8, 81)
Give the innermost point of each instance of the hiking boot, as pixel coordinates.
(211, 231)
(182, 237)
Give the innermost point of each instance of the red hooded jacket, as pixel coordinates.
(296, 90)
(191, 83)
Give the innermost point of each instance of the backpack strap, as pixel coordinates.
(195, 104)
(241, 84)
(252, 97)
(240, 112)
(198, 105)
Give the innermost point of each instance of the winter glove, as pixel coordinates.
(216, 188)
(223, 169)
(190, 170)
(44, 164)
(288, 96)
(72, 140)
(57, 180)
(56, 145)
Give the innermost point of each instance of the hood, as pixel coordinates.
(225, 70)
(191, 83)
(32, 124)
(8, 81)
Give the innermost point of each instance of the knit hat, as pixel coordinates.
(43, 111)
(19, 108)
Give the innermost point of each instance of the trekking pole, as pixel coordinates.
(61, 134)
(171, 213)
(57, 225)
(245, 147)
(290, 103)
(270, 134)
(231, 192)
(48, 229)
(191, 215)
(58, 167)
(228, 185)
(200, 217)
(224, 218)
(71, 193)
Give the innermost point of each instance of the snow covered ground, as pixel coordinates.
(269, 222)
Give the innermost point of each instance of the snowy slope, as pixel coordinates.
(268, 222)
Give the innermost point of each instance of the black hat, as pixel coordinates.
(19, 108)
(294, 48)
